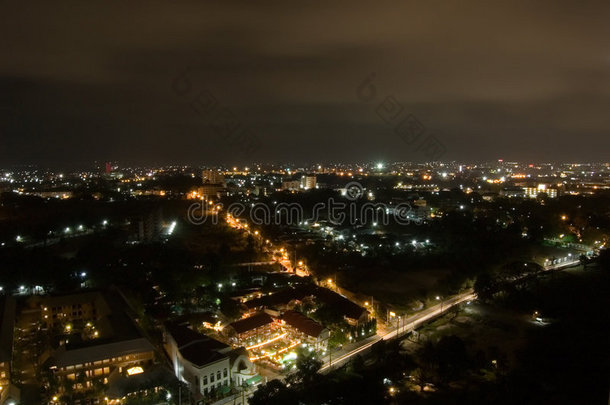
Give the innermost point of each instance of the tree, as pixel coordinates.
(273, 393)
(422, 376)
(337, 338)
(452, 357)
(230, 308)
(307, 364)
(604, 259)
(484, 287)
(357, 364)
(583, 261)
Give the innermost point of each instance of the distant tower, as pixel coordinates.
(308, 182)
(212, 177)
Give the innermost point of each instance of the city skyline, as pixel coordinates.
(282, 203)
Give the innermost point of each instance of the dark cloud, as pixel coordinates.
(87, 80)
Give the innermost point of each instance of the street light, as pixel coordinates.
(438, 298)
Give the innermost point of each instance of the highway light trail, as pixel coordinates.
(412, 322)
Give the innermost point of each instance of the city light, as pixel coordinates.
(267, 342)
(171, 228)
(235, 306)
(135, 370)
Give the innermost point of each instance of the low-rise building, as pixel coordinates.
(66, 309)
(208, 366)
(257, 327)
(305, 329)
(288, 298)
(291, 185)
(93, 348)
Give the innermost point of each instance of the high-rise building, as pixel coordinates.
(308, 181)
(212, 177)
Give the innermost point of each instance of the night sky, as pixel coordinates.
(83, 81)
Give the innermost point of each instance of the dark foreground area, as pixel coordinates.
(564, 357)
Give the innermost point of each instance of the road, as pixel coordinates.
(563, 265)
(406, 324)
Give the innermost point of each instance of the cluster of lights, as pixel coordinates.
(171, 227)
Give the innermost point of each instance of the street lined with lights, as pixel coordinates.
(410, 323)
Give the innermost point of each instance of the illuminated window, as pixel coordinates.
(134, 370)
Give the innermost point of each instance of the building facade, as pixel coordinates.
(209, 367)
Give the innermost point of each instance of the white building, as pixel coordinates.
(207, 365)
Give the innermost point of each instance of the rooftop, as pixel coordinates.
(119, 334)
(252, 322)
(303, 323)
(66, 356)
(195, 347)
(338, 302)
